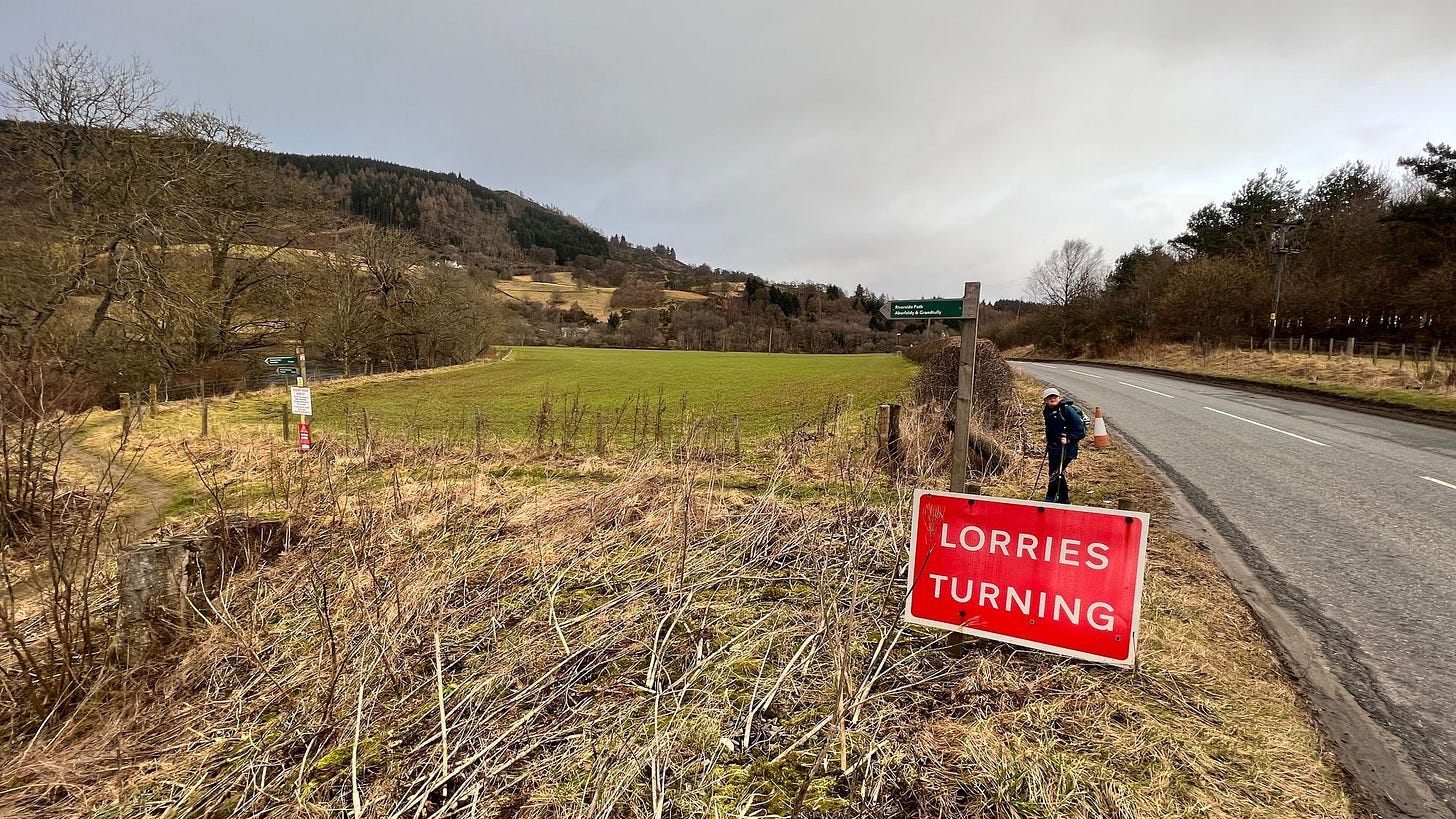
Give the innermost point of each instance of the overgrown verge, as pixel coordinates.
(1418, 389)
(622, 637)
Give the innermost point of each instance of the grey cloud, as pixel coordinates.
(906, 146)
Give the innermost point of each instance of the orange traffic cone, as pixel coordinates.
(1099, 430)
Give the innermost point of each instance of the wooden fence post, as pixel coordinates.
(1332, 346)
(737, 438)
(152, 402)
(888, 449)
(479, 429)
(125, 414)
(202, 391)
(368, 436)
(1400, 362)
(286, 431)
(1350, 347)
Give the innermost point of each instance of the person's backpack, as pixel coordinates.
(1077, 424)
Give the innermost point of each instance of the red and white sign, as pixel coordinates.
(1065, 579)
(305, 443)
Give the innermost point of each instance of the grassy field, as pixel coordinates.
(769, 393)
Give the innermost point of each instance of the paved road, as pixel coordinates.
(1348, 522)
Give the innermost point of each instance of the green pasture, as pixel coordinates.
(771, 393)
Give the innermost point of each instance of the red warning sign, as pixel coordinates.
(305, 443)
(1065, 579)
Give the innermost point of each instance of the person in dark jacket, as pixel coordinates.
(1064, 428)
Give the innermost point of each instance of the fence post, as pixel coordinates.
(286, 435)
(125, 416)
(1375, 354)
(601, 436)
(152, 402)
(479, 428)
(888, 445)
(737, 438)
(202, 391)
(1400, 363)
(1350, 347)
(368, 436)
(1332, 346)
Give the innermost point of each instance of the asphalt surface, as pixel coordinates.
(1340, 530)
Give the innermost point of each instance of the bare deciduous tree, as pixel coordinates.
(1074, 272)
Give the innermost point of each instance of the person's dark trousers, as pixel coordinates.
(1057, 462)
(1057, 489)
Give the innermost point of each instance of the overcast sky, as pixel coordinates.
(908, 146)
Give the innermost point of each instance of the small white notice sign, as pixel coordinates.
(302, 400)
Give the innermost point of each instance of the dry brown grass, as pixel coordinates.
(564, 292)
(1388, 373)
(540, 634)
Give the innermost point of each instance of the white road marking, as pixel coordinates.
(1266, 426)
(1441, 482)
(1145, 389)
(1089, 375)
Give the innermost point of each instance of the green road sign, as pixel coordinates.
(280, 361)
(923, 309)
(288, 371)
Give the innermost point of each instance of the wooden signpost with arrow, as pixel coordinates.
(966, 310)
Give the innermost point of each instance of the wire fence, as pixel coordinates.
(1388, 353)
(259, 377)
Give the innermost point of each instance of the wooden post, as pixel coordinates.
(202, 392)
(1400, 362)
(1332, 346)
(888, 449)
(1124, 504)
(1375, 354)
(601, 436)
(737, 438)
(286, 431)
(303, 381)
(1350, 347)
(970, 311)
(479, 433)
(152, 402)
(126, 414)
(368, 437)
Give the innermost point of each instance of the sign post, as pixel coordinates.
(1064, 579)
(920, 309)
(302, 401)
(967, 309)
(965, 387)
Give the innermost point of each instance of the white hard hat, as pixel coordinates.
(1049, 392)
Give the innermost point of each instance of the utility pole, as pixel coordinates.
(1282, 248)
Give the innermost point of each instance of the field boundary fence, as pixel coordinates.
(1378, 352)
